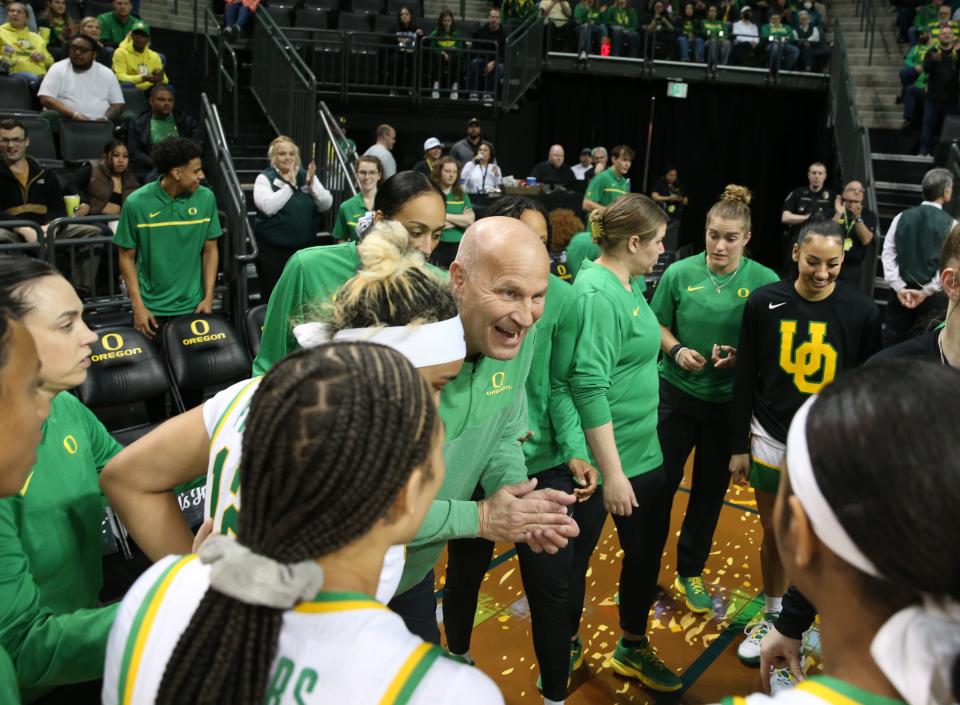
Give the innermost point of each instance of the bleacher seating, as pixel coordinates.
(313, 18)
(203, 351)
(281, 14)
(136, 100)
(328, 5)
(14, 95)
(80, 140)
(354, 22)
(253, 324)
(371, 7)
(383, 24)
(42, 146)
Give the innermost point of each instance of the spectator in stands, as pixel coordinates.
(23, 52)
(170, 268)
(910, 255)
(237, 13)
(91, 27)
(116, 24)
(621, 22)
(591, 31)
(369, 178)
(786, 10)
(490, 69)
(432, 149)
(557, 16)
(660, 29)
(152, 126)
(611, 184)
(30, 192)
(466, 149)
(746, 36)
(135, 63)
(670, 195)
(57, 26)
(386, 138)
(515, 12)
(860, 226)
(111, 181)
(564, 224)
(289, 200)
(688, 34)
(813, 54)
(714, 31)
(79, 88)
(807, 201)
(583, 171)
(32, 23)
(780, 42)
(923, 19)
(943, 20)
(481, 175)
(913, 81)
(407, 32)
(600, 160)
(553, 172)
(940, 64)
(459, 209)
(51, 621)
(446, 36)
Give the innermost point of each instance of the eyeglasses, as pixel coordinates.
(12, 140)
(368, 173)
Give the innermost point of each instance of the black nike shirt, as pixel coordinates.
(791, 348)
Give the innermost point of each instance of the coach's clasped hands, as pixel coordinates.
(522, 514)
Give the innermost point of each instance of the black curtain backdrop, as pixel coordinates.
(761, 137)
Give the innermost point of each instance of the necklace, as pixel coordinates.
(717, 285)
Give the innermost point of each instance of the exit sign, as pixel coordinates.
(677, 89)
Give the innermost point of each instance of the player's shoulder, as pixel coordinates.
(451, 682)
(220, 403)
(853, 299)
(774, 292)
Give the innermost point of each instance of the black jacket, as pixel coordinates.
(545, 173)
(41, 201)
(942, 75)
(138, 136)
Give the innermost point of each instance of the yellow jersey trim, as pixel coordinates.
(229, 410)
(338, 606)
(826, 693)
(408, 667)
(173, 222)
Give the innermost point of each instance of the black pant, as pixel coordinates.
(545, 578)
(444, 254)
(687, 423)
(642, 537)
(157, 407)
(418, 607)
(901, 323)
(270, 263)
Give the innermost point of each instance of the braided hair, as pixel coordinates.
(312, 483)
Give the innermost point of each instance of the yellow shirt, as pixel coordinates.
(17, 46)
(133, 67)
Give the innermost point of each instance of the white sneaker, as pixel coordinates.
(749, 649)
(781, 679)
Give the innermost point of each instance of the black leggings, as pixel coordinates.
(687, 423)
(418, 607)
(270, 263)
(642, 537)
(545, 579)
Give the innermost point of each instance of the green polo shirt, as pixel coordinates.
(112, 31)
(581, 247)
(688, 304)
(9, 691)
(161, 128)
(168, 235)
(456, 205)
(350, 213)
(607, 186)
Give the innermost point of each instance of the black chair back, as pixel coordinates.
(372, 7)
(253, 323)
(354, 22)
(83, 140)
(135, 100)
(14, 94)
(125, 368)
(204, 351)
(312, 18)
(41, 139)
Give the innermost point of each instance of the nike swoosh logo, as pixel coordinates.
(694, 288)
(773, 306)
(636, 310)
(154, 215)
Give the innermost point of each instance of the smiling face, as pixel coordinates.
(14, 144)
(449, 174)
(118, 159)
(622, 163)
(423, 216)
(434, 153)
(818, 260)
(285, 157)
(368, 175)
(189, 175)
(725, 241)
(63, 339)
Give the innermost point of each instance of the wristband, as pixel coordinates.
(676, 350)
(859, 219)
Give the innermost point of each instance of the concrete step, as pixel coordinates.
(881, 119)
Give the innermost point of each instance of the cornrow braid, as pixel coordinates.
(312, 483)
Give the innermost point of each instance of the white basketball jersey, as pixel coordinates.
(225, 416)
(817, 690)
(338, 648)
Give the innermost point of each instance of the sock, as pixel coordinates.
(772, 605)
(548, 701)
(632, 643)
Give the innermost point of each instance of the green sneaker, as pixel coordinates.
(576, 661)
(643, 664)
(694, 593)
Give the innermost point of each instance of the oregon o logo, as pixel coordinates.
(112, 341)
(497, 379)
(191, 210)
(199, 327)
(70, 444)
(743, 292)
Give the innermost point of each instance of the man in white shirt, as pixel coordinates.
(746, 37)
(386, 138)
(586, 164)
(78, 88)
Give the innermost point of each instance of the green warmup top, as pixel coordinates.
(587, 15)
(168, 235)
(557, 434)
(607, 186)
(9, 690)
(50, 555)
(686, 301)
(484, 409)
(607, 349)
(350, 213)
(112, 31)
(309, 278)
(581, 247)
(777, 31)
(625, 17)
(456, 205)
(713, 28)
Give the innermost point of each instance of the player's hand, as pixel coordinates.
(740, 468)
(690, 360)
(205, 306)
(584, 477)
(311, 173)
(618, 496)
(723, 356)
(515, 512)
(838, 206)
(144, 321)
(779, 651)
(911, 298)
(203, 533)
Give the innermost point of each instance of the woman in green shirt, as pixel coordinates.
(699, 303)
(50, 557)
(610, 365)
(460, 216)
(369, 178)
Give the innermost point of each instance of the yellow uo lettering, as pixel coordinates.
(814, 363)
(112, 341)
(203, 339)
(199, 327)
(70, 444)
(130, 352)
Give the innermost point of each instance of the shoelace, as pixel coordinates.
(697, 587)
(757, 631)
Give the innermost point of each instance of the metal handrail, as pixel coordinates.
(866, 10)
(221, 48)
(40, 244)
(337, 138)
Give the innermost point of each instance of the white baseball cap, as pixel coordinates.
(432, 143)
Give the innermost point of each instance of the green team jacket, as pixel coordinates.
(484, 410)
(50, 562)
(9, 692)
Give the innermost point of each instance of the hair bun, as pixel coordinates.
(736, 193)
(596, 225)
(385, 251)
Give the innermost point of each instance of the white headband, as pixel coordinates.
(804, 485)
(423, 345)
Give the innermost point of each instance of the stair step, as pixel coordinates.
(898, 187)
(906, 158)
